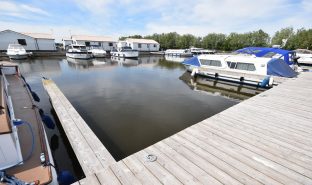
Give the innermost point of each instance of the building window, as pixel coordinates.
(147, 45)
(110, 44)
(87, 43)
(139, 45)
(22, 42)
(154, 45)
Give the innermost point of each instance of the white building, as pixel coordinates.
(30, 41)
(107, 43)
(143, 44)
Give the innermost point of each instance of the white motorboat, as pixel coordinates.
(200, 51)
(304, 56)
(179, 52)
(17, 51)
(78, 51)
(125, 52)
(97, 52)
(240, 68)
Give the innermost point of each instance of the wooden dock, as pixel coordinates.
(266, 139)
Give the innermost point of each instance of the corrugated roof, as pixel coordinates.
(93, 38)
(40, 35)
(144, 41)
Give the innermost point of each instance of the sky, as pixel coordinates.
(144, 17)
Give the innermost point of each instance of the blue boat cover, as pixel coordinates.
(192, 62)
(263, 52)
(277, 67)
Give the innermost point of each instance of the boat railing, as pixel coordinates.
(9, 103)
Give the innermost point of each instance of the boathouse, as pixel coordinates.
(143, 44)
(107, 43)
(30, 41)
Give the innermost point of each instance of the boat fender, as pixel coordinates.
(35, 96)
(271, 81)
(265, 81)
(65, 178)
(241, 79)
(194, 72)
(47, 120)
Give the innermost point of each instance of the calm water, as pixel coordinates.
(129, 104)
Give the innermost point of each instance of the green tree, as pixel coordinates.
(284, 33)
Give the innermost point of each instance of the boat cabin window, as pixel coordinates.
(241, 66)
(22, 42)
(87, 43)
(79, 47)
(154, 45)
(110, 44)
(232, 65)
(216, 63)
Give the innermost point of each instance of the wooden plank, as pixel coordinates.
(90, 179)
(227, 168)
(193, 169)
(215, 172)
(172, 167)
(124, 174)
(140, 171)
(108, 177)
(163, 175)
(260, 146)
(266, 166)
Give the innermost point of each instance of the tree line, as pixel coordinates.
(287, 37)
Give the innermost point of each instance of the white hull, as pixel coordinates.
(78, 55)
(18, 57)
(99, 55)
(126, 54)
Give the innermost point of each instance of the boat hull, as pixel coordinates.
(18, 57)
(99, 55)
(78, 55)
(133, 54)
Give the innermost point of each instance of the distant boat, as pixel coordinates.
(240, 68)
(179, 52)
(17, 51)
(304, 56)
(97, 52)
(125, 52)
(201, 51)
(78, 51)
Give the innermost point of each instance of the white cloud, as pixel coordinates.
(15, 9)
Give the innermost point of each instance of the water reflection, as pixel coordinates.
(220, 88)
(172, 58)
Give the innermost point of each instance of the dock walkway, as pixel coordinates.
(266, 139)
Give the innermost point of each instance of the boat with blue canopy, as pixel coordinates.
(286, 55)
(248, 69)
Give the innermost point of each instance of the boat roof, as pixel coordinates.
(242, 58)
(262, 51)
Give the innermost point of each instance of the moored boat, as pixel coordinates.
(178, 52)
(240, 68)
(304, 56)
(125, 52)
(25, 152)
(78, 51)
(201, 51)
(97, 52)
(16, 52)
